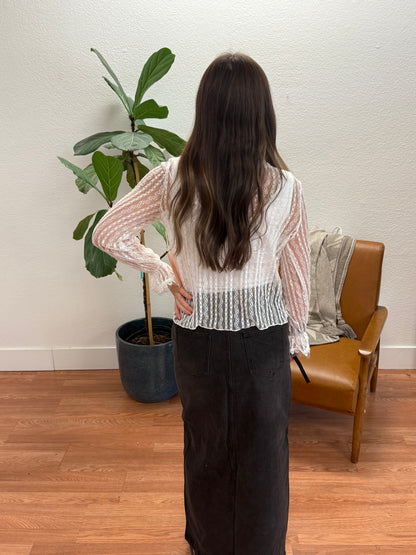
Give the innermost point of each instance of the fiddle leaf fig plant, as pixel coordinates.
(141, 143)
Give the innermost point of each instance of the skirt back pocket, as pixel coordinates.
(192, 351)
(266, 350)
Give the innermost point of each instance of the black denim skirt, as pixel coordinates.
(235, 390)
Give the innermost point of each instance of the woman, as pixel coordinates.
(237, 229)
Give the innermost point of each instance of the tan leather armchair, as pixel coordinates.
(341, 372)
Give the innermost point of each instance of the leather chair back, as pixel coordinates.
(361, 290)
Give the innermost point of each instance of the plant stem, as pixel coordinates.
(146, 288)
(146, 300)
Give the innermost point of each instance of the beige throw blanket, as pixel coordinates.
(330, 256)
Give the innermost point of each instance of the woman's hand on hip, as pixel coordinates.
(179, 292)
(181, 300)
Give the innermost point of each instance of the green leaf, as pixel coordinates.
(160, 228)
(91, 143)
(79, 172)
(120, 277)
(118, 89)
(154, 69)
(82, 227)
(123, 157)
(119, 93)
(84, 186)
(97, 262)
(109, 171)
(150, 109)
(154, 155)
(82, 174)
(131, 103)
(131, 141)
(143, 170)
(165, 139)
(131, 178)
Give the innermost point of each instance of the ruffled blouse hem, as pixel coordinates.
(162, 279)
(299, 343)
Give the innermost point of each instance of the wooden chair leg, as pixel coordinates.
(359, 411)
(373, 383)
(356, 437)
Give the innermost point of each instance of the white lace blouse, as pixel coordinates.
(258, 295)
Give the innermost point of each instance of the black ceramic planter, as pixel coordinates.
(146, 371)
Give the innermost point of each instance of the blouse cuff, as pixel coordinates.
(299, 343)
(162, 278)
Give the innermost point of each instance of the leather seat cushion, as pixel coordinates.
(334, 371)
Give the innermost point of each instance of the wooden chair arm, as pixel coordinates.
(371, 335)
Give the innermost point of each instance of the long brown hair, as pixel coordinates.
(223, 162)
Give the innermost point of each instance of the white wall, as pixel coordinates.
(343, 79)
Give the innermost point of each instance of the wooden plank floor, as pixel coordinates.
(84, 469)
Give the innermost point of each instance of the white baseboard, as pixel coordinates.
(82, 358)
(398, 357)
(105, 358)
(26, 359)
(100, 358)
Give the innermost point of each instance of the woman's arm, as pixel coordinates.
(295, 271)
(116, 233)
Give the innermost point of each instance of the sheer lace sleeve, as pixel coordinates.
(295, 271)
(116, 233)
